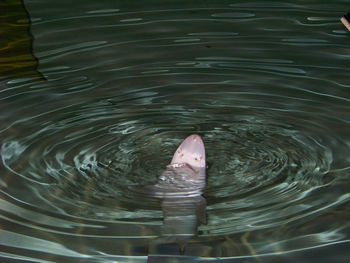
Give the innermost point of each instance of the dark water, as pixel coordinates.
(95, 96)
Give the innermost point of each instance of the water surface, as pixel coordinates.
(96, 96)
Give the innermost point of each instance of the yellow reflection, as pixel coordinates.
(16, 58)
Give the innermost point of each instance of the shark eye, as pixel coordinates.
(198, 157)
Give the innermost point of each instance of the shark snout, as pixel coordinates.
(191, 151)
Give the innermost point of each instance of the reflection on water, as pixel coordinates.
(16, 42)
(264, 83)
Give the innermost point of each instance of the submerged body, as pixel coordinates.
(181, 184)
(180, 189)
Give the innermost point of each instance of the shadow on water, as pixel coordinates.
(95, 96)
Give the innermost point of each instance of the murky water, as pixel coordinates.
(95, 96)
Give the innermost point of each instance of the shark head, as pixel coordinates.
(191, 152)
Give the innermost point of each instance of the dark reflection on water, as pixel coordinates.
(266, 84)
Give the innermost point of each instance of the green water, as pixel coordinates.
(95, 97)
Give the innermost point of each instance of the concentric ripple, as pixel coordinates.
(266, 86)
